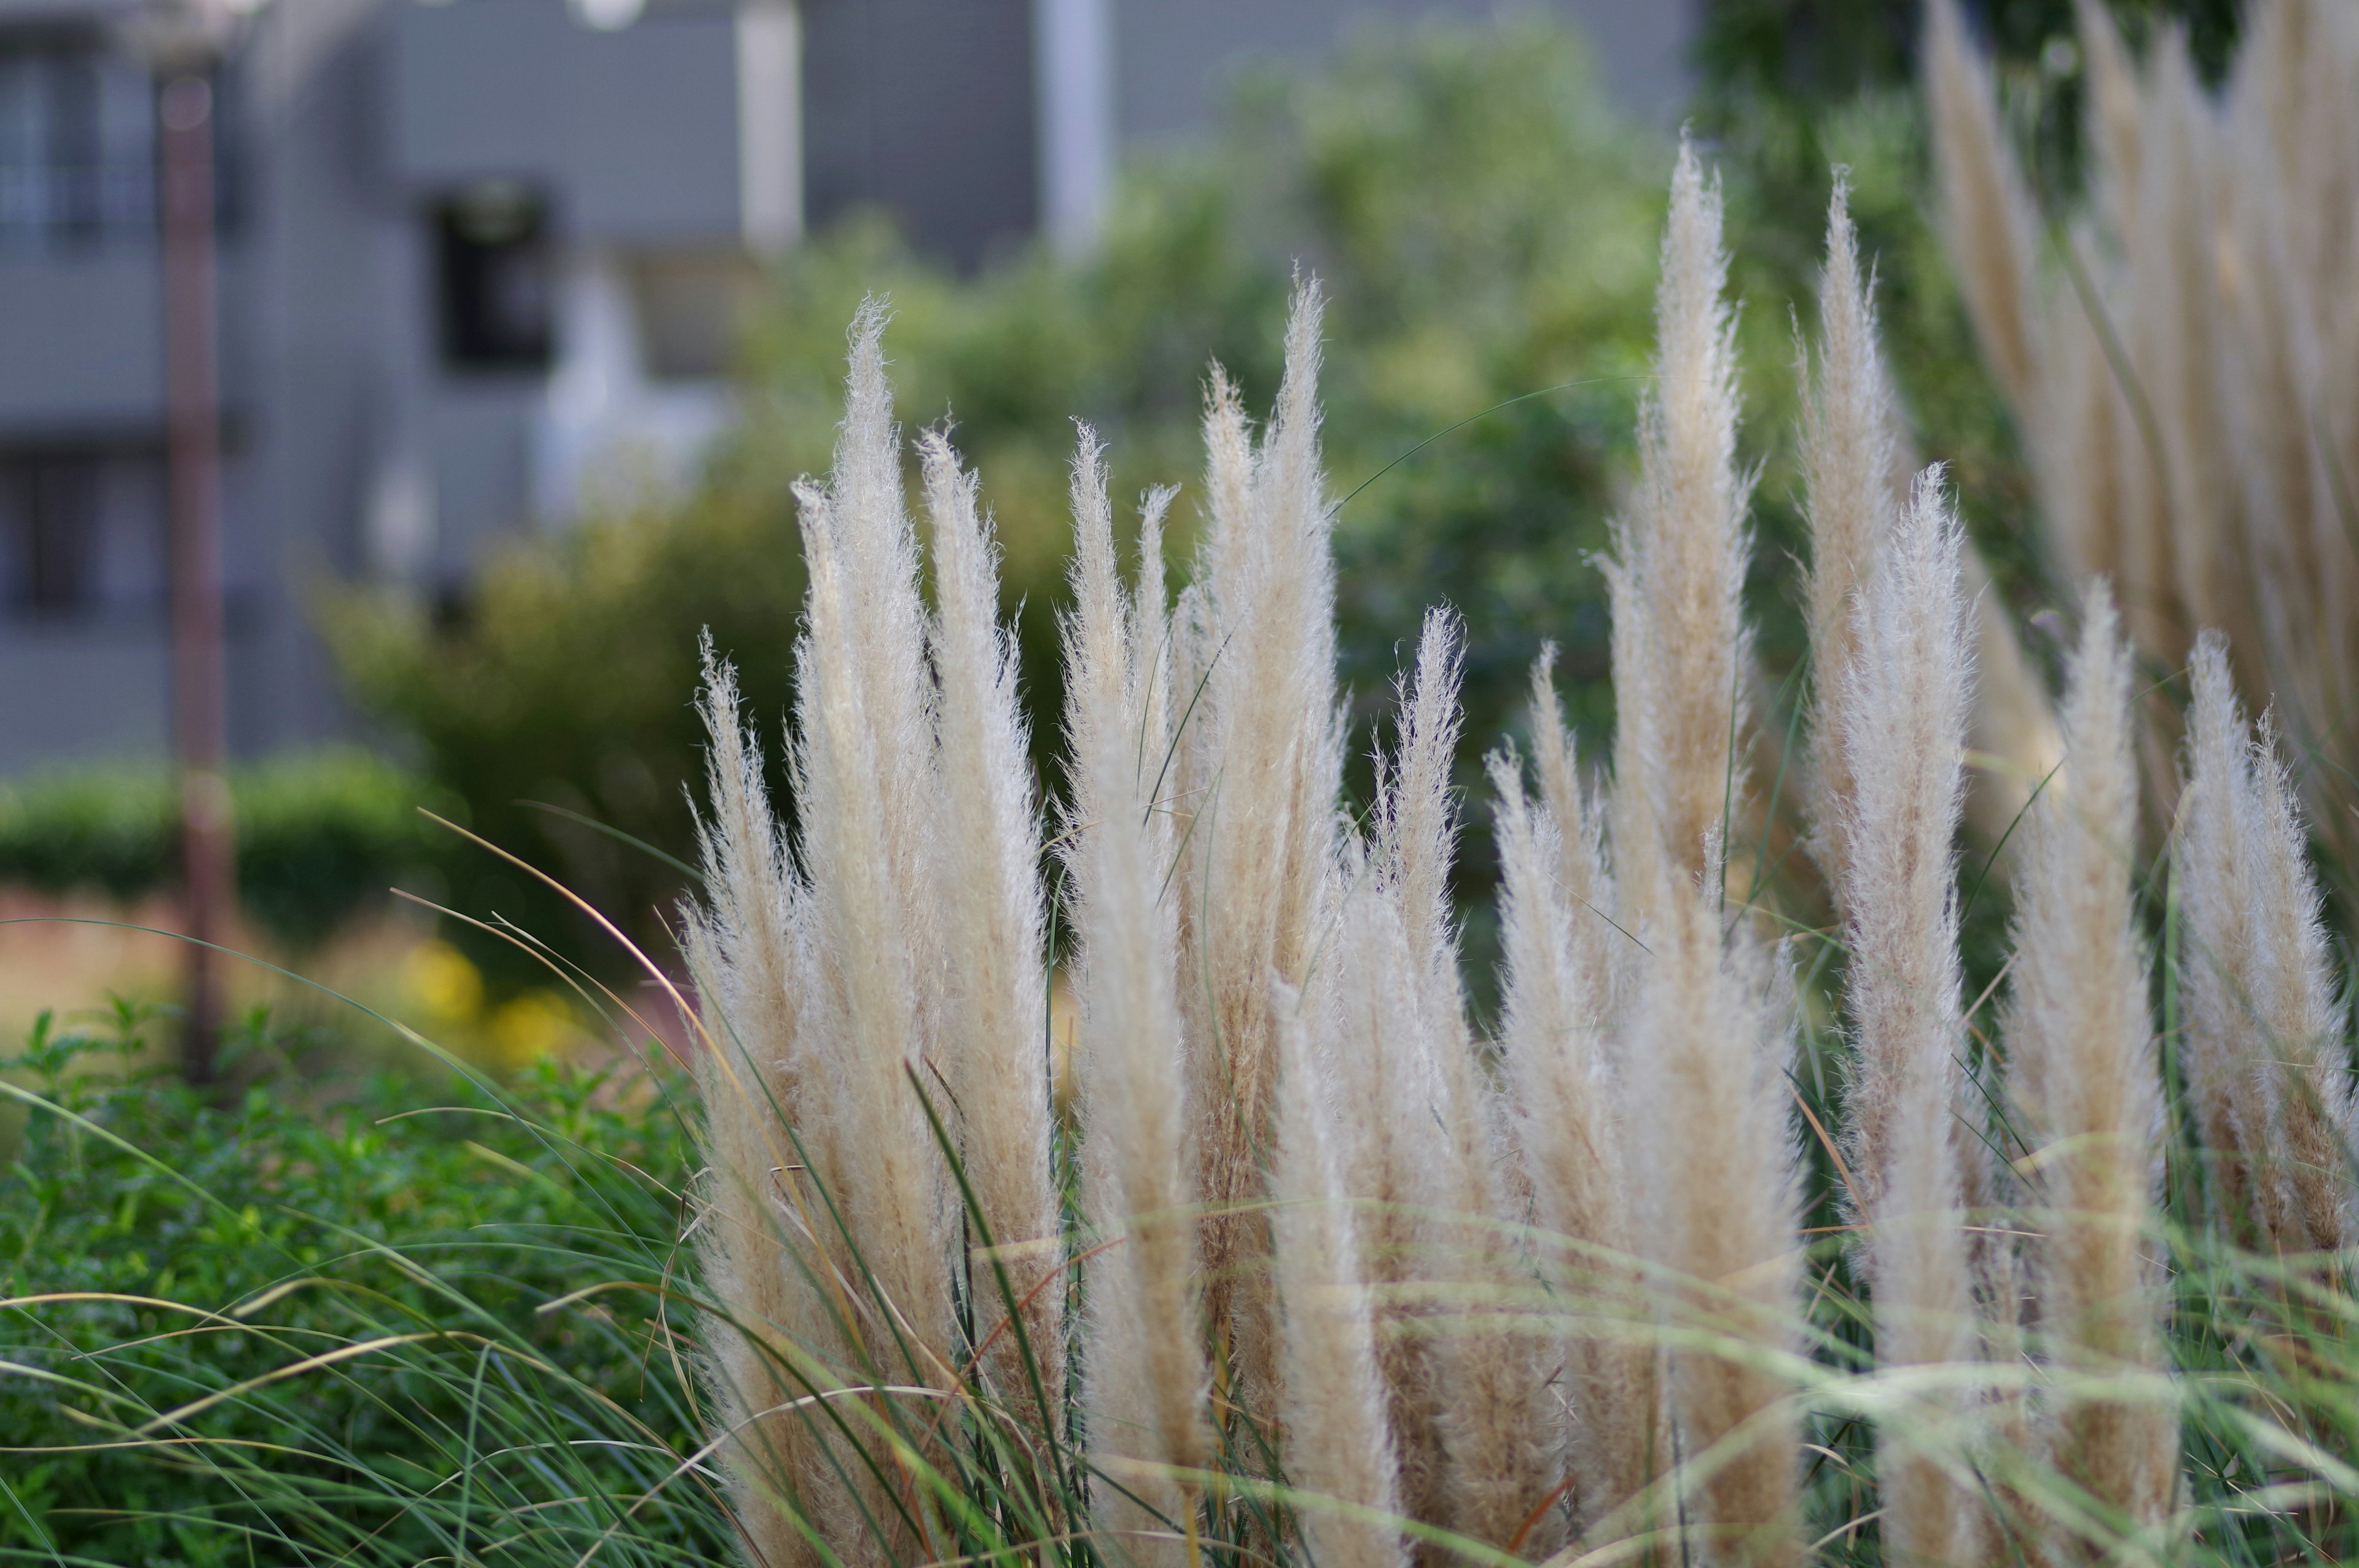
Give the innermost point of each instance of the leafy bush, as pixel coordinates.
(320, 836)
(1485, 226)
(192, 1257)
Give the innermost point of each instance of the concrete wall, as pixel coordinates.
(83, 343)
(922, 109)
(636, 129)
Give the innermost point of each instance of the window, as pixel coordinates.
(77, 150)
(690, 306)
(51, 506)
(493, 265)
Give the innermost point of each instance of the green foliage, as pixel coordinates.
(1792, 90)
(320, 836)
(196, 1256)
(1484, 228)
(1817, 51)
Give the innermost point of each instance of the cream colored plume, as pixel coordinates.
(1849, 466)
(2186, 375)
(2264, 1027)
(1905, 693)
(864, 777)
(1260, 770)
(1561, 1088)
(1714, 1213)
(778, 1341)
(1683, 554)
(2081, 1078)
(1497, 1464)
(1146, 1378)
(830, 1227)
(1338, 1422)
(995, 993)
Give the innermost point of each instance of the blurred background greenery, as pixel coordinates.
(1484, 224)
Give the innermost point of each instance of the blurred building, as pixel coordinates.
(480, 260)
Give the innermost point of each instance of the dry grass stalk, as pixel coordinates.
(1602, 956)
(743, 951)
(1146, 1377)
(1684, 556)
(994, 987)
(1709, 1043)
(1393, 1157)
(1339, 1430)
(818, 976)
(1988, 213)
(1905, 693)
(1264, 751)
(863, 768)
(2263, 1022)
(2184, 375)
(2081, 1076)
(1707, 1031)
(1497, 1464)
(1556, 1014)
(1848, 460)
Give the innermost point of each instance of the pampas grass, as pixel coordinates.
(1301, 1264)
(1679, 567)
(2178, 358)
(1905, 696)
(1312, 1268)
(2082, 1074)
(2263, 1020)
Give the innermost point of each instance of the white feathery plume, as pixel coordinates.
(2081, 1076)
(1602, 956)
(1905, 693)
(1561, 1086)
(1987, 214)
(1339, 1437)
(1268, 767)
(2314, 1102)
(1711, 1035)
(1394, 1157)
(1146, 1380)
(1497, 1467)
(779, 1339)
(1848, 463)
(994, 990)
(864, 773)
(1707, 1034)
(2255, 972)
(1685, 555)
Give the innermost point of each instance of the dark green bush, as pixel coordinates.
(321, 836)
(433, 1218)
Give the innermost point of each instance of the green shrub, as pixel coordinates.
(321, 836)
(1485, 227)
(433, 1216)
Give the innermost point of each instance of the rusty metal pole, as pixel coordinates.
(200, 709)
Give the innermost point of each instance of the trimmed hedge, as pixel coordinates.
(320, 835)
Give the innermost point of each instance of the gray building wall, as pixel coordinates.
(667, 159)
(924, 110)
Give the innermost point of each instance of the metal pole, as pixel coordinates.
(199, 715)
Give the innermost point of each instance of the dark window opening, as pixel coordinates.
(55, 535)
(492, 264)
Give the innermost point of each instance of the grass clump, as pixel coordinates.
(329, 1322)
